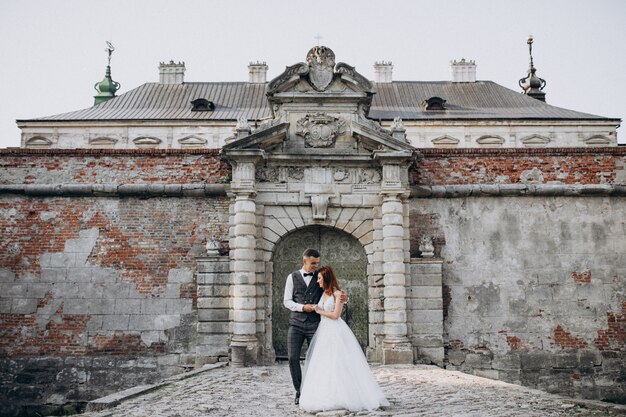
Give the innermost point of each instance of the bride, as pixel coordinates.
(336, 374)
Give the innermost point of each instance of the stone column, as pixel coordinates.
(244, 343)
(394, 190)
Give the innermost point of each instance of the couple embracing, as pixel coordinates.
(336, 374)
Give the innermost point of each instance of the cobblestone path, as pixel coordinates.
(411, 390)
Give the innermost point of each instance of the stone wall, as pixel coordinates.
(99, 294)
(533, 245)
(105, 281)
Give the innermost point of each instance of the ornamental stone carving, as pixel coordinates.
(267, 174)
(320, 130)
(321, 61)
(295, 173)
(341, 175)
(426, 247)
(368, 176)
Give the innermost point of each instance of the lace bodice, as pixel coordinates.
(328, 304)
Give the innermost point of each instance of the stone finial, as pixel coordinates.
(463, 71)
(398, 131)
(383, 72)
(532, 84)
(243, 128)
(426, 247)
(212, 246)
(257, 72)
(171, 73)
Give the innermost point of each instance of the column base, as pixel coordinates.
(243, 352)
(397, 352)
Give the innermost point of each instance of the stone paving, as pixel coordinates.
(412, 391)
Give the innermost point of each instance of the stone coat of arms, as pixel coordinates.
(321, 61)
(320, 130)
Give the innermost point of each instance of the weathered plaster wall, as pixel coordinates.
(534, 284)
(534, 289)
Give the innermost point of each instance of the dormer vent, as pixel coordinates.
(434, 103)
(202, 104)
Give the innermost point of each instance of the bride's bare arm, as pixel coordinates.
(334, 315)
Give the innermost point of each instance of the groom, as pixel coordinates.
(302, 293)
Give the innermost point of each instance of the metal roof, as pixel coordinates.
(464, 101)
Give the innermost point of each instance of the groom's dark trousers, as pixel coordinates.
(302, 326)
(296, 335)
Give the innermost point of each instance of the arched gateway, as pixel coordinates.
(319, 170)
(338, 249)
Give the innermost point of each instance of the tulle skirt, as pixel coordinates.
(336, 374)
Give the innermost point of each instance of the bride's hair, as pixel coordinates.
(329, 280)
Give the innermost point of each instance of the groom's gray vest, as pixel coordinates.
(304, 295)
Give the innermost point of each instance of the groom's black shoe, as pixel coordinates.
(297, 401)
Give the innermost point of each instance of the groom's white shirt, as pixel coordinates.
(288, 297)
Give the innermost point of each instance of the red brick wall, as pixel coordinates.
(108, 275)
(512, 166)
(139, 243)
(132, 166)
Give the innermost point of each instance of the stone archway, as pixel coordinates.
(338, 249)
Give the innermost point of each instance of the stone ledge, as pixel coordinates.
(117, 190)
(115, 399)
(516, 190)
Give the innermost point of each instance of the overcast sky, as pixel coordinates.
(53, 50)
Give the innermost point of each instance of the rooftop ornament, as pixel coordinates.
(107, 87)
(531, 84)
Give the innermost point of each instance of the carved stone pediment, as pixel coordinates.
(38, 142)
(320, 130)
(535, 141)
(146, 142)
(192, 142)
(266, 137)
(374, 137)
(490, 141)
(319, 71)
(102, 142)
(597, 140)
(445, 141)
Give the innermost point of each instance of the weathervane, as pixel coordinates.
(318, 38)
(532, 84)
(109, 49)
(530, 49)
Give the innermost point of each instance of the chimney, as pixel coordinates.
(463, 71)
(171, 73)
(383, 72)
(257, 72)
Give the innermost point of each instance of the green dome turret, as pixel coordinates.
(107, 87)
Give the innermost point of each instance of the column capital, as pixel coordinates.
(244, 163)
(395, 169)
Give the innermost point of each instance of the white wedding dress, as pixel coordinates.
(336, 374)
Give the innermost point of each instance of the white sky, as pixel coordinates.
(53, 50)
